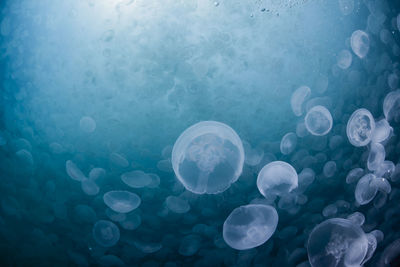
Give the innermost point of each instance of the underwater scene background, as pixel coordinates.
(199, 133)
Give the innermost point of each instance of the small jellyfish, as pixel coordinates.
(97, 173)
(208, 157)
(136, 179)
(360, 127)
(382, 131)
(155, 180)
(73, 171)
(382, 185)
(357, 218)
(190, 244)
(391, 106)
(385, 169)
(344, 59)
(89, 187)
(298, 98)
(337, 242)
(177, 205)
(119, 160)
(372, 244)
(376, 156)
(277, 178)
(365, 192)
(253, 156)
(318, 120)
(250, 226)
(87, 124)
(131, 222)
(329, 169)
(360, 43)
(105, 233)
(354, 175)
(288, 143)
(346, 6)
(121, 201)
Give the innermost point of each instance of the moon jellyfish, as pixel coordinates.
(372, 244)
(329, 169)
(208, 157)
(119, 160)
(121, 201)
(298, 97)
(357, 218)
(288, 143)
(177, 205)
(87, 124)
(136, 179)
(89, 187)
(318, 121)
(337, 242)
(277, 178)
(360, 43)
(105, 233)
(344, 59)
(253, 156)
(190, 244)
(391, 106)
(365, 191)
(376, 156)
(354, 175)
(382, 131)
(382, 185)
(250, 226)
(360, 127)
(97, 173)
(73, 171)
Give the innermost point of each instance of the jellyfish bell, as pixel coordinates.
(360, 127)
(208, 157)
(105, 233)
(318, 120)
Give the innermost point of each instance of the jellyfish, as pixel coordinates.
(329, 169)
(365, 192)
(177, 205)
(119, 160)
(346, 6)
(250, 226)
(318, 121)
(360, 43)
(297, 100)
(354, 175)
(357, 218)
(105, 233)
(277, 178)
(337, 242)
(344, 59)
(288, 143)
(382, 131)
(136, 179)
(208, 157)
(121, 201)
(376, 156)
(73, 171)
(391, 105)
(89, 187)
(87, 124)
(360, 127)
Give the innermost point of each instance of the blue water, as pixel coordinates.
(141, 72)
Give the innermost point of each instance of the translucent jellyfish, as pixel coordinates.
(24, 157)
(360, 127)
(344, 59)
(306, 178)
(84, 214)
(253, 156)
(365, 192)
(177, 205)
(298, 98)
(337, 242)
(360, 43)
(115, 216)
(393, 81)
(357, 218)
(346, 6)
(131, 222)
(87, 124)
(330, 210)
(277, 178)
(318, 120)
(329, 169)
(372, 244)
(376, 156)
(119, 160)
(250, 226)
(208, 157)
(73, 171)
(354, 175)
(165, 165)
(147, 247)
(89, 187)
(382, 185)
(391, 253)
(288, 143)
(382, 131)
(190, 244)
(97, 173)
(121, 201)
(136, 179)
(155, 180)
(105, 233)
(385, 170)
(391, 105)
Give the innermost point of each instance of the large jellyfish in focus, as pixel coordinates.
(318, 121)
(250, 226)
(337, 242)
(360, 127)
(208, 157)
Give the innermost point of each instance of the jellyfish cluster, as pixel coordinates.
(200, 133)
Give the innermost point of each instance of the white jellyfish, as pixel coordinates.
(97, 173)
(365, 192)
(288, 143)
(277, 178)
(298, 98)
(329, 168)
(360, 43)
(121, 201)
(253, 156)
(376, 156)
(318, 120)
(250, 226)
(208, 157)
(87, 124)
(73, 171)
(105, 233)
(382, 131)
(360, 127)
(354, 175)
(357, 218)
(177, 204)
(391, 105)
(344, 59)
(136, 179)
(89, 187)
(337, 242)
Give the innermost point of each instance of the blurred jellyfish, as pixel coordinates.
(382, 131)
(357, 218)
(344, 59)
(318, 121)
(250, 226)
(365, 192)
(346, 6)
(119, 160)
(73, 171)
(297, 100)
(329, 169)
(89, 187)
(97, 173)
(277, 178)
(382, 185)
(253, 156)
(190, 244)
(360, 43)
(177, 205)
(288, 143)
(360, 127)
(208, 157)
(105, 233)
(136, 179)
(87, 124)
(354, 175)
(391, 105)
(121, 201)
(337, 242)
(376, 156)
